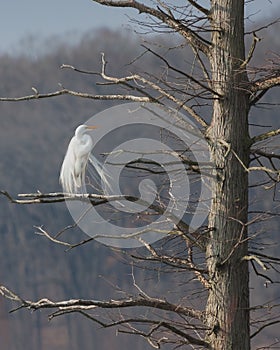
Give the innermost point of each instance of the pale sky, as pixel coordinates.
(40, 18)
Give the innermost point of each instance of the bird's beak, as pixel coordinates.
(92, 127)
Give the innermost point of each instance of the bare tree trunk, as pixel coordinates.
(227, 310)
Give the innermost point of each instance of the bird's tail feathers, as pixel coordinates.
(101, 172)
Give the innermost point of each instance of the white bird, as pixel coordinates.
(72, 173)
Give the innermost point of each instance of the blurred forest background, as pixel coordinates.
(34, 137)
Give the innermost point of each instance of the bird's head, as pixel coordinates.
(81, 129)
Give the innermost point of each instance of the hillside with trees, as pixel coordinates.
(34, 137)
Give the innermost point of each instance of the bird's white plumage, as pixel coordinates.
(72, 173)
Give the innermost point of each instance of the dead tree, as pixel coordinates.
(216, 36)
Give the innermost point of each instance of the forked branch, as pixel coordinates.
(140, 83)
(137, 79)
(256, 39)
(177, 262)
(185, 74)
(182, 228)
(85, 306)
(82, 304)
(167, 18)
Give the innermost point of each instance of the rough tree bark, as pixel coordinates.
(228, 301)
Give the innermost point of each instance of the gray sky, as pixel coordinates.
(39, 18)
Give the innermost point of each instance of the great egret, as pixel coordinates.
(72, 173)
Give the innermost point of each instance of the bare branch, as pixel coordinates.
(263, 27)
(199, 7)
(45, 233)
(260, 274)
(203, 67)
(182, 228)
(265, 83)
(268, 257)
(193, 38)
(120, 81)
(189, 338)
(155, 87)
(56, 197)
(156, 325)
(82, 304)
(252, 168)
(255, 98)
(123, 81)
(265, 326)
(256, 259)
(174, 261)
(265, 135)
(256, 39)
(94, 199)
(198, 82)
(137, 79)
(34, 198)
(76, 94)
